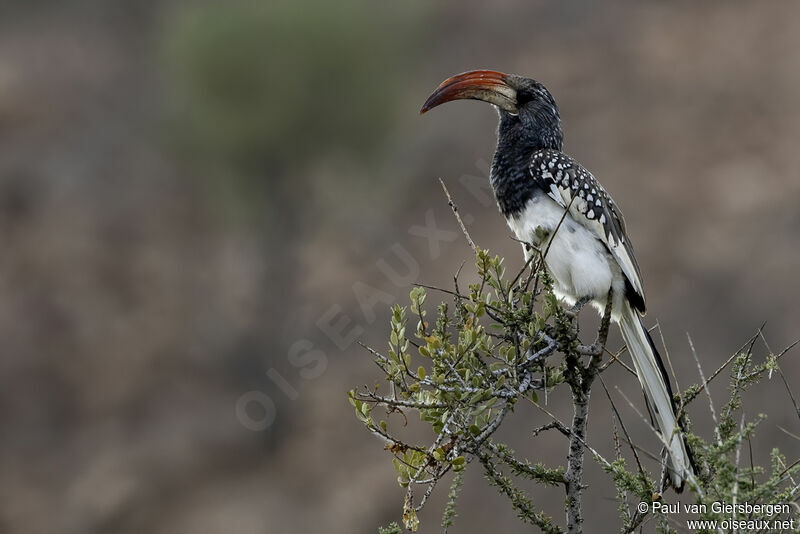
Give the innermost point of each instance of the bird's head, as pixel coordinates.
(528, 113)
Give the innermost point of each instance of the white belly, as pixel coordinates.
(579, 263)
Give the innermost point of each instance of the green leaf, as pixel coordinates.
(459, 462)
(476, 398)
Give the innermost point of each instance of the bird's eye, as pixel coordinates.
(524, 96)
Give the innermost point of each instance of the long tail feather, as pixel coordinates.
(655, 384)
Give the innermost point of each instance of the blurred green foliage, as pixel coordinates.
(259, 96)
(280, 82)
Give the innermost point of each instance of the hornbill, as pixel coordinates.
(589, 255)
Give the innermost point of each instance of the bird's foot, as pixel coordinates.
(573, 311)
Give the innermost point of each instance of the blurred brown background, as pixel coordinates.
(192, 193)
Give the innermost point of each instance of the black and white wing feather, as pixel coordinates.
(569, 184)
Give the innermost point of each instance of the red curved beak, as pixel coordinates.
(487, 85)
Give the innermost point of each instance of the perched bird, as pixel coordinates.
(589, 256)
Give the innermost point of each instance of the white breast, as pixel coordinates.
(578, 261)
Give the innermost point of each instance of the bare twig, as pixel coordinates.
(567, 431)
(458, 217)
(622, 425)
(615, 358)
(691, 478)
(548, 426)
(558, 227)
(733, 356)
(707, 389)
(443, 290)
(795, 436)
(789, 391)
(666, 353)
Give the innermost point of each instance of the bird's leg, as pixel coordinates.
(573, 311)
(605, 323)
(596, 349)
